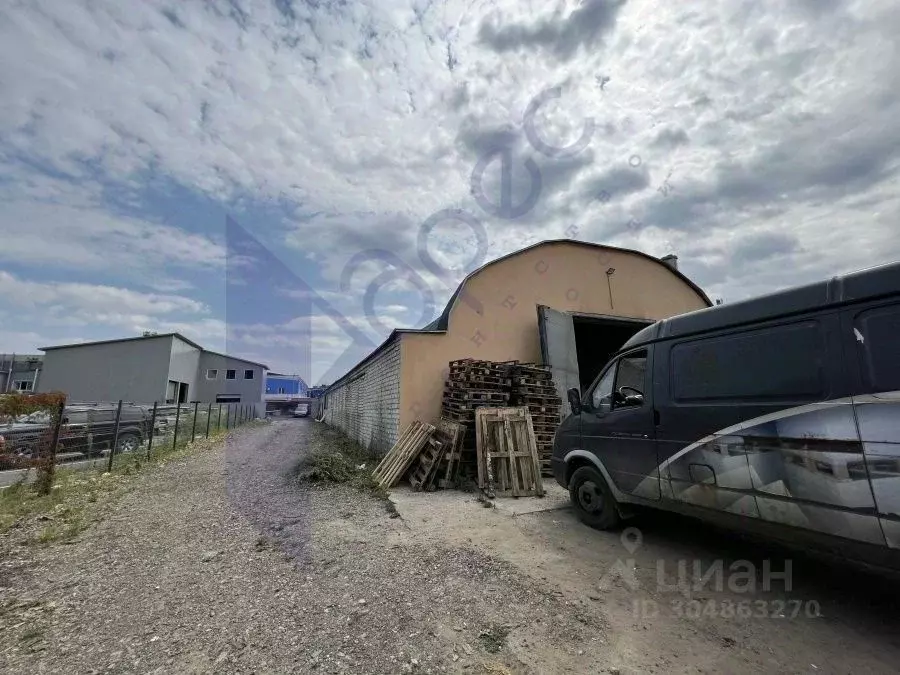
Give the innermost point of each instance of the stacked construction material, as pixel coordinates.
(472, 384)
(532, 386)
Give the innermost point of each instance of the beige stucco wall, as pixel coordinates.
(565, 276)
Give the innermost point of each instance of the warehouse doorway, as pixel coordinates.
(176, 392)
(597, 339)
(577, 345)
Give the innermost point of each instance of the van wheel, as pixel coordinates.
(592, 499)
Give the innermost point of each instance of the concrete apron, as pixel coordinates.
(450, 503)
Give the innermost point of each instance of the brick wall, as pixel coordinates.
(366, 406)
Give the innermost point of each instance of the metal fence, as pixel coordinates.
(53, 433)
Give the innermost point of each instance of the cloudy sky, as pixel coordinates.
(256, 173)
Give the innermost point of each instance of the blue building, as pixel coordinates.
(280, 386)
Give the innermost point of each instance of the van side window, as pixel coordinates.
(877, 330)
(601, 399)
(630, 380)
(773, 363)
(627, 372)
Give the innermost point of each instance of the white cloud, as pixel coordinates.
(91, 299)
(54, 223)
(775, 126)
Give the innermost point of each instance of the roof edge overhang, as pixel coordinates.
(394, 335)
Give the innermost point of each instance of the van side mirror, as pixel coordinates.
(574, 400)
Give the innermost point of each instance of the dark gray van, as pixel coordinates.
(778, 415)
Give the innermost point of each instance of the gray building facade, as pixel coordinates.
(20, 372)
(165, 368)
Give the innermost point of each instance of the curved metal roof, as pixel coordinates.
(440, 323)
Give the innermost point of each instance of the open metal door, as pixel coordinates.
(557, 331)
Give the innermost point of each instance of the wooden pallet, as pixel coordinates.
(508, 463)
(480, 368)
(452, 434)
(405, 450)
(533, 381)
(538, 402)
(467, 406)
(476, 395)
(543, 390)
(462, 416)
(463, 380)
(426, 466)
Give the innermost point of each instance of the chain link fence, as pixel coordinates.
(40, 433)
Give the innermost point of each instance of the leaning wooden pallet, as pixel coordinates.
(426, 465)
(508, 463)
(453, 433)
(405, 450)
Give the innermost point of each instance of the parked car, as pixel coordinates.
(778, 415)
(86, 431)
(302, 410)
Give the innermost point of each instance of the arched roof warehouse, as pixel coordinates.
(493, 315)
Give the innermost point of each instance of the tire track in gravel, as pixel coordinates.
(261, 486)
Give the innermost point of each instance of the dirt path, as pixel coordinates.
(222, 562)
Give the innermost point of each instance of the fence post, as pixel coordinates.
(227, 415)
(115, 441)
(219, 421)
(194, 422)
(152, 431)
(208, 418)
(177, 417)
(54, 443)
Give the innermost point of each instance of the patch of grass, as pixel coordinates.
(494, 638)
(73, 502)
(335, 458)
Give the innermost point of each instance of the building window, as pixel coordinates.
(230, 374)
(212, 374)
(248, 374)
(280, 390)
(227, 398)
(22, 385)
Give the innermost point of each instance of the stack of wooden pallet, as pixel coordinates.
(532, 387)
(473, 384)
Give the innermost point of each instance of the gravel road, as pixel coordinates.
(222, 562)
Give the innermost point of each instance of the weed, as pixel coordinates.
(494, 638)
(334, 458)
